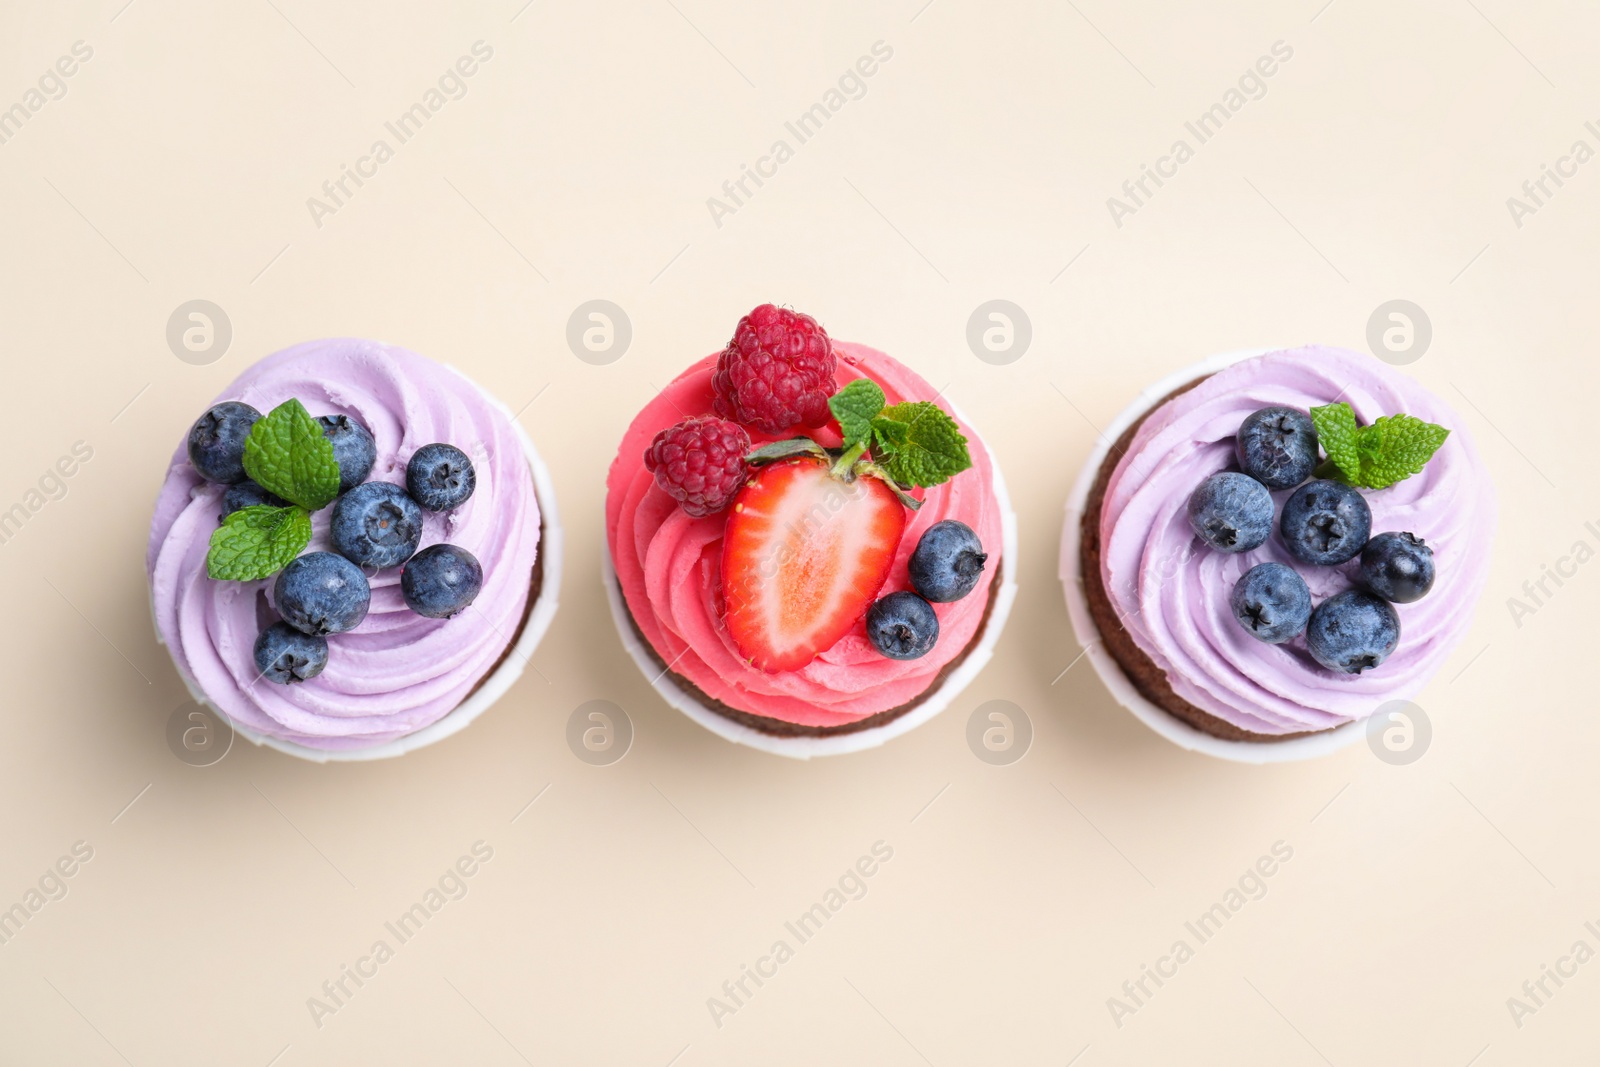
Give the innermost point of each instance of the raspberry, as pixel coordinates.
(776, 373)
(699, 463)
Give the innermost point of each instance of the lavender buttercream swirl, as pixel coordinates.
(397, 672)
(1172, 592)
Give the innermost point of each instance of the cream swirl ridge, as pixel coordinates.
(1171, 592)
(397, 672)
(668, 567)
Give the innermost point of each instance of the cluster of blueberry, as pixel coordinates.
(373, 525)
(946, 566)
(1324, 523)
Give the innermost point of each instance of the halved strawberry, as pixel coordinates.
(804, 554)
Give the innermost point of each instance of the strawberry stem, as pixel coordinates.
(871, 469)
(849, 466)
(844, 468)
(794, 446)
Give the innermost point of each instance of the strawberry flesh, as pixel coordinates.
(804, 555)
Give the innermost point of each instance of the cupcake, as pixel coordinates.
(810, 551)
(354, 553)
(1269, 547)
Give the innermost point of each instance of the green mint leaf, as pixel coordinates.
(888, 434)
(287, 454)
(257, 542)
(1394, 448)
(1337, 433)
(855, 406)
(1391, 450)
(918, 444)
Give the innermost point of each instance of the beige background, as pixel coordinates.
(977, 166)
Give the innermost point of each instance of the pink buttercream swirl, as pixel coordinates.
(668, 566)
(1172, 592)
(397, 672)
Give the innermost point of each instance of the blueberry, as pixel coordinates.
(1231, 512)
(902, 626)
(247, 494)
(216, 441)
(1325, 523)
(1277, 447)
(1353, 631)
(440, 477)
(322, 593)
(441, 580)
(353, 449)
(1271, 602)
(375, 525)
(285, 655)
(947, 563)
(1398, 567)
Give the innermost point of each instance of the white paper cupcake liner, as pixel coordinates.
(806, 747)
(1158, 719)
(494, 685)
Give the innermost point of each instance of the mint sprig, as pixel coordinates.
(1336, 433)
(918, 444)
(287, 454)
(855, 406)
(914, 443)
(257, 541)
(1390, 450)
(1395, 447)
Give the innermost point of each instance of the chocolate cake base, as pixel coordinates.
(1148, 678)
(780, 728)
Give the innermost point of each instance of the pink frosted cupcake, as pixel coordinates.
(809, 552)
(354, 553)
